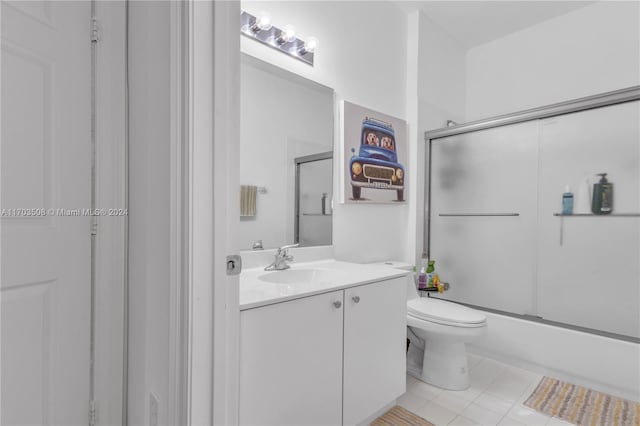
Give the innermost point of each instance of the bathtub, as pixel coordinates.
(602, 363)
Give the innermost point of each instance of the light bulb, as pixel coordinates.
(263, 23)
(310, 44)
(288, 34)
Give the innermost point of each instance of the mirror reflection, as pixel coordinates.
(286, 158)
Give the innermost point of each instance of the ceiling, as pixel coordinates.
(477, 22)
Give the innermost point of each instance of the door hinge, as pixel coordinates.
(94, 30)
(94, 228)
(93, 415)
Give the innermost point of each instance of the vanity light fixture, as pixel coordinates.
(283, 39)
(309, 46)
(287, 35)
(261, 23)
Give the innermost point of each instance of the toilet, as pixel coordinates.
(438, 331)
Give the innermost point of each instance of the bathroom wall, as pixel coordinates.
(441, 78)
(362, 55)
(441, 94)
(590, 50)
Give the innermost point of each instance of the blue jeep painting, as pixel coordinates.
(376, 165)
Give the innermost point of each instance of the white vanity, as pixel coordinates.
(321, 343)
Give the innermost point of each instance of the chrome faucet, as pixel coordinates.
(257, 245)
(280, 262)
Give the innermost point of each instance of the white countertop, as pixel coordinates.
(255, 292)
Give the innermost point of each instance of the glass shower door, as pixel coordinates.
(483, 216)
(314, 184)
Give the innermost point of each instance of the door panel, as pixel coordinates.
(491, 171)
(291, 362)
(591, 278)
(374, 347)
(45, 150)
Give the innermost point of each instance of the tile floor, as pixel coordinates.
(495, 397)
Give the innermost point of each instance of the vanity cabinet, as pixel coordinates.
(329, 359)
(374, 351)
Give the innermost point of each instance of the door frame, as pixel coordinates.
(204, 172)
(212, 210)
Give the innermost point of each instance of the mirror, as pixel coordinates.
(286, 158)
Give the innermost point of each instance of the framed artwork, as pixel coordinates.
(375, 156)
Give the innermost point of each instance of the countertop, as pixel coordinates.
(255, 292)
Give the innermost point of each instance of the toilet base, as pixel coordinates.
(445, 365)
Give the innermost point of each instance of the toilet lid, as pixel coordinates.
(431, 309)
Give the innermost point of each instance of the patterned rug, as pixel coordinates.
(582, 406)
(398, 416)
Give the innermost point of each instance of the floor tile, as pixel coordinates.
(484, 373)
(508, 387)
(527, 393)
(411, 401)
(468, 394)
(424, 389)
(481, 415)
(453, 402)
(554, 421)
(436, 414)
(462, 421)
(410, 380)
(507, 421)
(522, 374)
(527, 415)
(493, 403)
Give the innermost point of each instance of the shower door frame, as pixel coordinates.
(615, 97)
(298, 161)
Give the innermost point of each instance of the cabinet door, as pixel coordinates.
(291, 362)
(374, 347)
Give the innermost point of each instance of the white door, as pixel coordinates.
(375, 323)
(46, 163)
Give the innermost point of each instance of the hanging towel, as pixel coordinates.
(248, 200)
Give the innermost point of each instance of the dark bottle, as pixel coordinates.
(602, 201)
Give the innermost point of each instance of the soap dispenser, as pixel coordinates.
(602, 201)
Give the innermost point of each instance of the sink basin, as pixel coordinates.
(301, 276)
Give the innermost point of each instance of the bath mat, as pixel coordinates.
(582, 406)
(398, 416)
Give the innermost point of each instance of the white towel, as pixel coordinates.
(248, 200)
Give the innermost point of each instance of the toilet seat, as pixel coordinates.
(445, 313)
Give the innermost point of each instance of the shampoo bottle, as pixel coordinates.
(422, 275)
(567, 201)
(583, 198)
(602, 202)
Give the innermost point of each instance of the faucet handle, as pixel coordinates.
(289, 246)
(284, 249)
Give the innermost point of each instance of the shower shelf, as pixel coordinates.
(599, 215)
(315, 214)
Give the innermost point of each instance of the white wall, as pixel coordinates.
(362, 55)
(590, 50)
(440, 96)
(441, 77)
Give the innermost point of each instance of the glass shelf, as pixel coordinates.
(315, 214)
(599, 215)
